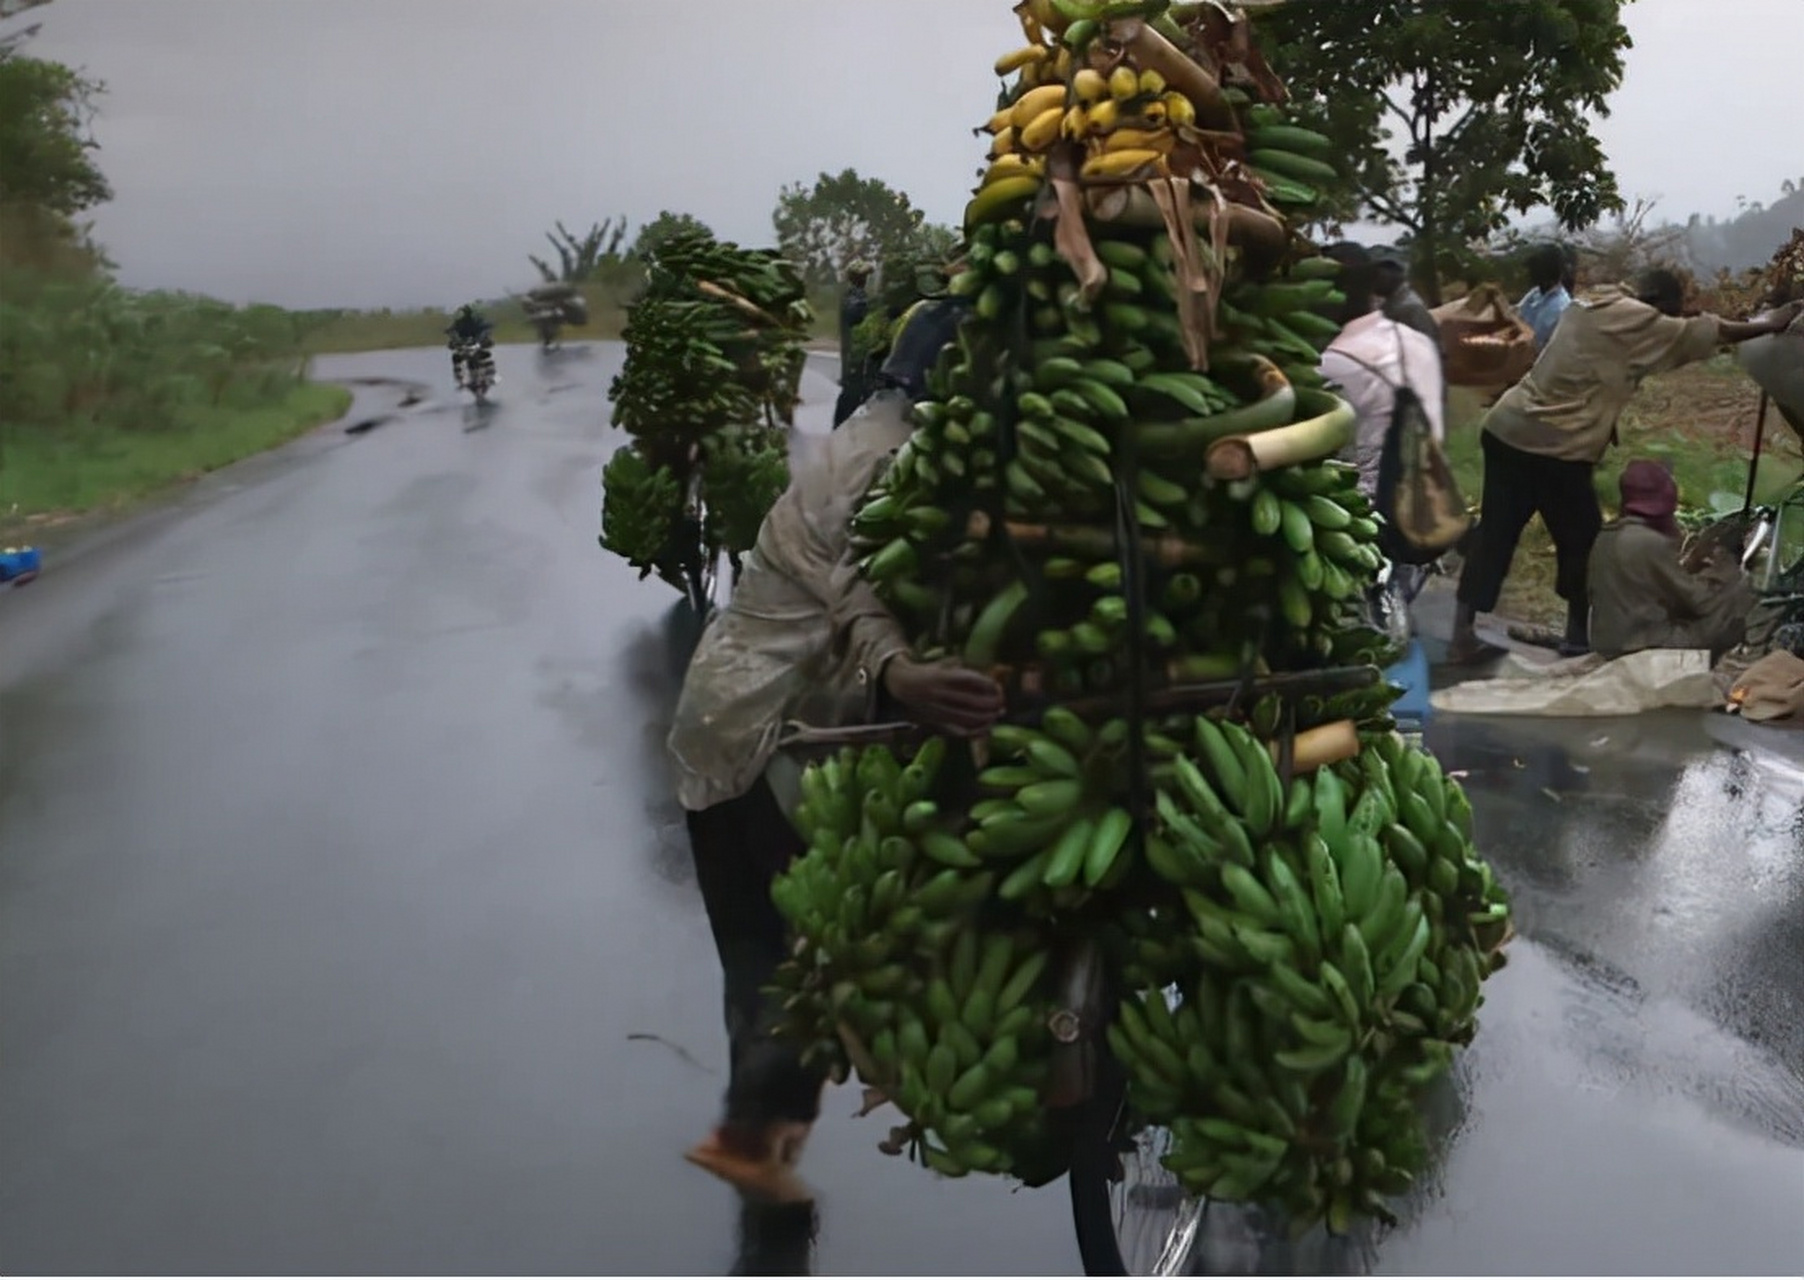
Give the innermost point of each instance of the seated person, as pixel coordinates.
(1641, 596)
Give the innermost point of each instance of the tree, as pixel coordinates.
(46, 154)
(1493, 102)
(842, 218)
(580, 259)
(661, 228)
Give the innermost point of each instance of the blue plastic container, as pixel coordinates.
(16, 562)
(1412, 708)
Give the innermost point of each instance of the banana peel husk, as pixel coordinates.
(1070, 236)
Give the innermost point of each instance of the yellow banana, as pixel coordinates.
(1003, 144)
(1029, 106)
(1001, 196)
(1043, 131)
(1014, 165)
(1179, 110)
(1151, 82)
(1000, 120)
(1090, 85)
(1075, 124)
(1113, 164)
(1013, 61)
(1104, 116)
(1153, 112)
(1123, 84)
(1061, 65)
(1160, 140)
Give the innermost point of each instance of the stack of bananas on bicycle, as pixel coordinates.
(715, 346)
(1094, 506)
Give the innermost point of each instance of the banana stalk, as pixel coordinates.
(1315, 438)
(1323, 745)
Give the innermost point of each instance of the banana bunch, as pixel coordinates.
(1289, 160)
(896, 975)
(640, 513)
(744, 472)
(1332, 978)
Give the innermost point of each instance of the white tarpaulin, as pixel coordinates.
(1588, 686)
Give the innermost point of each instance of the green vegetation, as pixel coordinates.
(107, 394)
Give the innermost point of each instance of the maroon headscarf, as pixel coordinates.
(1649, 493)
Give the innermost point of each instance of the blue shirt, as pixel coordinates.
(1542, 311)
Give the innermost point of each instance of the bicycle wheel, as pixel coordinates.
(1131, 1215)
(704, 569)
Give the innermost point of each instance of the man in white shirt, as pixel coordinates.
(1372, 357)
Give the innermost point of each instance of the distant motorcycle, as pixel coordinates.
(474, 364)
(547, 321)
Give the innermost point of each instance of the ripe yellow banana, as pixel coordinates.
(1029, 106)
(1000, 121)
(1123, 84)
(1043, 131)
(1075, 124)
(1104, 116)
(1014, 60)
(1114, 164)
(1003, 143)
(1151, 82)
(1179, 110)
(1014, 165)
(1160, 140)
(1090, 85)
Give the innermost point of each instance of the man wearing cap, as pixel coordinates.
(1398, 298)
(1641, 596)
(803, 638)
(853, 308)
(1548, 295)
(1545, 436)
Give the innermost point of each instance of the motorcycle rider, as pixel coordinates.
(803, 638)
(469, 328)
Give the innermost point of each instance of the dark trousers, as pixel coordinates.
(851, 395)
(740, 846)
(1517, 485)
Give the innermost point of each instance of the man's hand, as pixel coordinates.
(944, 696)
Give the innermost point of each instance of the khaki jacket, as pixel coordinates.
(1641, 596)
(1567, 405)
(804, 637)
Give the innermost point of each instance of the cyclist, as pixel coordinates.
(803, 638)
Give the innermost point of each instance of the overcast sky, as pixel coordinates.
(404, 152)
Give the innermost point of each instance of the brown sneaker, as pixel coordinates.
(757, 1162)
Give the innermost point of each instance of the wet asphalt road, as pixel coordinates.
(345, 925)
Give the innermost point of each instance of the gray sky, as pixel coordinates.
(400, 152)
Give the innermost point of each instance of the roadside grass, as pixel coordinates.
(48, 478)
(1699, 420)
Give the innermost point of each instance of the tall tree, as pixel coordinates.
(580, 257)
(1454, 114)
(823, 228)
(46, 154)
